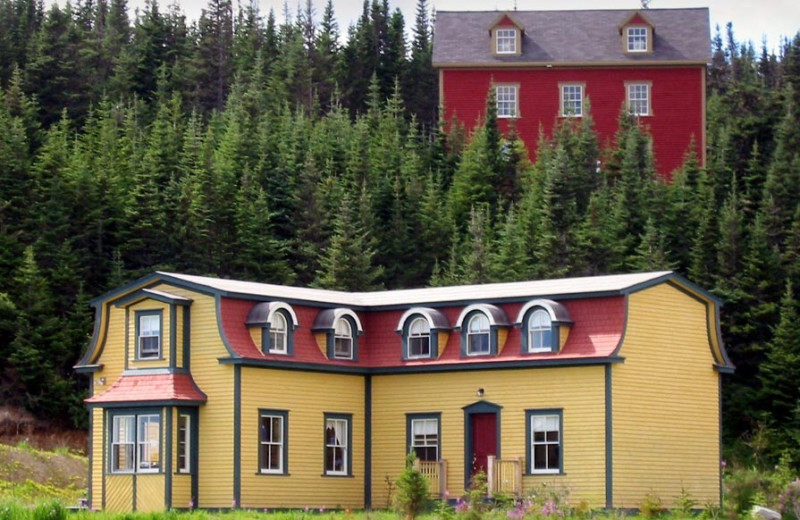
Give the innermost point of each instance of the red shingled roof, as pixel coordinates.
(150, 388)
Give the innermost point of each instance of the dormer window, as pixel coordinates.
(637, 39)
(506, 35)
(337, 332)
(637, 34)
(277, 321)
(343, 340)
(420, 328)
(478, 335)
(545, 325)
(506, 41)
(481, 325)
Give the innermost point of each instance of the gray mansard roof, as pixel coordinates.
(462, 38)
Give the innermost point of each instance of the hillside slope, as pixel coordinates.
(29, 476)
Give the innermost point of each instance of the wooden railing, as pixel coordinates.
(436, 472)
(504, 476)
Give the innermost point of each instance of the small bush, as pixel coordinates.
(412, 496)
(651, 506)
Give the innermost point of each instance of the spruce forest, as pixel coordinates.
(286, 149)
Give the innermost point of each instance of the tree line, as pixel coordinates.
(240, 147)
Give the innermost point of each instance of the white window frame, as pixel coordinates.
(638, 96)
(148, 443)
(123, 437)
(278, 333)
(148, 328)
(507, 101)
(505, 40)
(276, 438)
(572, 99)
(539, 324)
(543, 423)
(337, 445)
(419, 334)
(343, 339)
(184, 443)
(421, 436)
(637, 38)
(479, 331)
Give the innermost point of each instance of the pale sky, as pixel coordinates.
(752, 21)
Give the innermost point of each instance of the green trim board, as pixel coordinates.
(168, 454)
(368, 442)
(609, 438)
(237, 436)
(173, 335)
(437, 367)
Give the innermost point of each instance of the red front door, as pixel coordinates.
(484, 439)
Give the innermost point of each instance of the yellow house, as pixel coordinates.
(216, 393)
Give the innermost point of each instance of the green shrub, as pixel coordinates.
(790, 501)
(412, 495)
(651, 506)
(49, 510)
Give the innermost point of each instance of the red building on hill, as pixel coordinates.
(546, 65)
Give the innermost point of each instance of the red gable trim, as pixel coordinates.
(636, 18)
(150, 388)
(506, 20)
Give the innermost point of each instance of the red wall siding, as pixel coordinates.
(677, 103)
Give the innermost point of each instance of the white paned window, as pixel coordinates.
(572, 100)
(425, 438)
(478, 335)
(506, 99)
(506, 41)
(336, 448)
(148, 454)
(545, 443)
(637, 39)
(123, 438)
(639, 99)
(343, 340)
(272, 443)
(540, 332)
(149, 336)
(278, 333)
(419, 339)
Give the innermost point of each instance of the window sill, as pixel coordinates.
(272, 474)
(545, 474)
(337, 475)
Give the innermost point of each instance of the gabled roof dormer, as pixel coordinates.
(637, 32)
(506, 35)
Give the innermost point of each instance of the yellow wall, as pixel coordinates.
(215, 464)
(119, 493)
(307, 397)
(665, 402)
(150, 492)
(578, 390)
(96, 444)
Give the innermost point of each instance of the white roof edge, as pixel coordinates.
(526, 289)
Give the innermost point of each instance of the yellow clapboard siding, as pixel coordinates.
(150, 492)
(665, 402)
(182, 491)
(119, 493)
(307, 397)
(96, 445)
(215, 447)
(579, 391)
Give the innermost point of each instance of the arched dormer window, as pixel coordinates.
(343, 339)
(544, 326)
(278, 322)
(420, 328)
(341, 328)
(480, 325)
